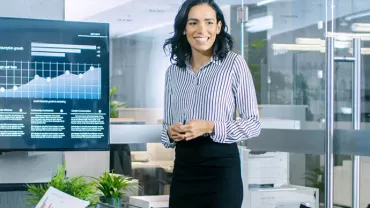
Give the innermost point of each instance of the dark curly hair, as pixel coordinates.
(179, 46)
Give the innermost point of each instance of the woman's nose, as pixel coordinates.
(201, 28)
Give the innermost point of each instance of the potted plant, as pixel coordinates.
(317, 180)
(113, 187)
(114, 104)
(75, 186)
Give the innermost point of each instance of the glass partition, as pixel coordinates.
(285, 50)
(351, 36)
(285, 46)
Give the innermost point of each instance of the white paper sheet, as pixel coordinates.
(54, 198)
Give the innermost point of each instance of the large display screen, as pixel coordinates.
(54, 85)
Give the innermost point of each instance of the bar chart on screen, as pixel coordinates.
(50, 80)
(61, 50)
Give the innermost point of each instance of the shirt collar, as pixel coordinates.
(214, 60)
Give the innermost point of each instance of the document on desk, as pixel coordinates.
(53, 198)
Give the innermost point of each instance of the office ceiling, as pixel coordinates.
(128, 17)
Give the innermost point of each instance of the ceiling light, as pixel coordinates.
(365, 51)
(260, 24)
(298, 47)
(310, 41)
(342, 44)
(360, 27)
(265, 2)
(349, 36)
(283, 48)
(358, 15)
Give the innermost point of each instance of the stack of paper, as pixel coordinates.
(54, 198)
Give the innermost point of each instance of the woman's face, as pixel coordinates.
(202, 28)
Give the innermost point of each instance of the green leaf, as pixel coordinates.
(113, 186)
(75, 186)
(113, 104)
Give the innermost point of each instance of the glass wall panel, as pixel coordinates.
(285, 50)
(351, 20)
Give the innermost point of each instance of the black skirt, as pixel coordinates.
(206, 175)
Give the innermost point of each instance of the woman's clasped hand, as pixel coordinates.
(190, 130)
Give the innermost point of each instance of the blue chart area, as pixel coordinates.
(50, 80)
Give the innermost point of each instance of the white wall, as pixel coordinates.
(39, 9)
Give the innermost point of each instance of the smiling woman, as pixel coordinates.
(202, 29)
(197, 20)
(204, 86)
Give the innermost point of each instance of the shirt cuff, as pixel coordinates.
(168, 142)
(220, 133)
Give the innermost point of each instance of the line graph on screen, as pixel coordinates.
(50, 80)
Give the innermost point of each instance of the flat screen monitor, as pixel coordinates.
(54, 85)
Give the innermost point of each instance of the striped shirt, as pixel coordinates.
(213, 94)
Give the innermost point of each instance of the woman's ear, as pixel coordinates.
(219, 26)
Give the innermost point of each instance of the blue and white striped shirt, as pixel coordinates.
(213, 94)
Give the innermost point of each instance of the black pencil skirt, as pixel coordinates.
(206, 175)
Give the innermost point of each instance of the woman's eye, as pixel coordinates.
(209, 23)
(192, 23)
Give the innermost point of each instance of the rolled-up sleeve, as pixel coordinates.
(167, 117)
(248, 125)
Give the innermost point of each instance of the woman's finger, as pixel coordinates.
(177, 128)
(190, 136)
(177, 137)
(187, 128)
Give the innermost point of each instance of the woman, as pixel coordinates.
(204, 87)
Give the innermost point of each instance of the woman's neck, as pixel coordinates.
(199, 59)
